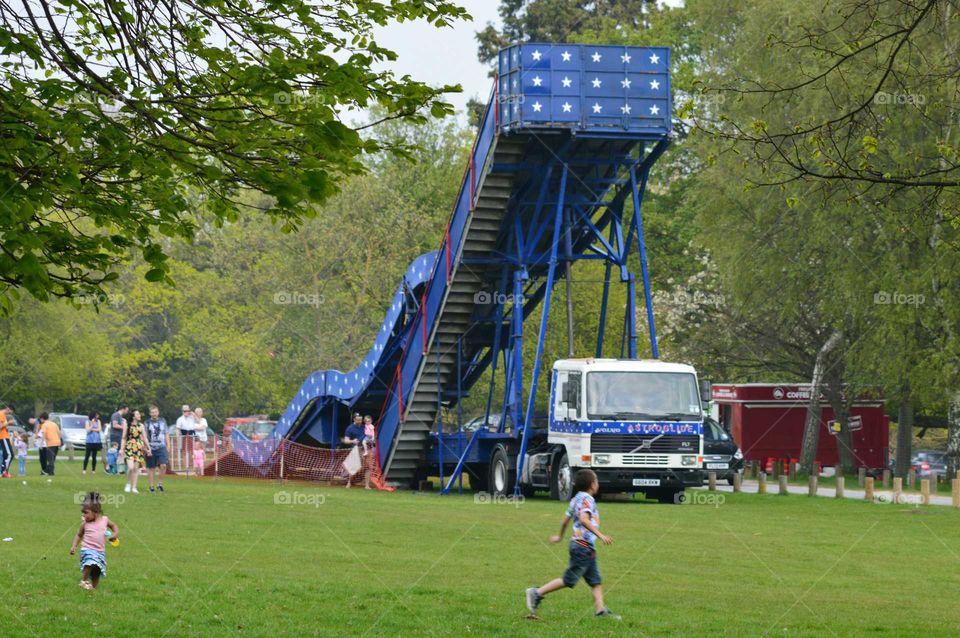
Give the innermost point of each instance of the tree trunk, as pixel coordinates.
(811, 428)
(953, 436)
(904, 433)
(841, 413)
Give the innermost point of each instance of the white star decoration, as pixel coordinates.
(566, 82)
(654, 110)
(625, 109)
(596, 56)
(625, 58)
(537, 80)
(654, 59)
(566, 56)
(596, 83)
(654, 85)
(596, 107)
(537, 106)
(566, 107)
(625, 83)
(537, 55)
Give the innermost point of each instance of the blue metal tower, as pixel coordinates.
(556, 175)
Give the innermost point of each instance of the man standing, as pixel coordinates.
(186, 425)
(117, 421)
(158, 436)
(50, 432)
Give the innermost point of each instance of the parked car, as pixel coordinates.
(73, 428)
(720, 452)
(926, 462)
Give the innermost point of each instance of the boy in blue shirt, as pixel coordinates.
(583, 555)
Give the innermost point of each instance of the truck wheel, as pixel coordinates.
(477, 475)
(670, 497)
(561, 487)
(501, 479)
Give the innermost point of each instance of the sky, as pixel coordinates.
(443, 56)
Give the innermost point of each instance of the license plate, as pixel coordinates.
(646, 482)
(716, 466)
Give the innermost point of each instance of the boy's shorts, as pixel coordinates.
(583, 563)
(158, 458)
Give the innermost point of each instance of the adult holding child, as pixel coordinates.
(94, 441)
(354, 436)
(134, 447)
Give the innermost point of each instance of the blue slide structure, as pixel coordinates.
(556, 175)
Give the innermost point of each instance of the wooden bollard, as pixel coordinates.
(812, 485)
(861, 476)
(712, 481)
(775, 470)
(840, 480)
(925, 491)
(955, 484)
(762, 483)
(911, 478)
(783, 484)
(886, 479)
(868, 488)
(737, 482)
(897, 489)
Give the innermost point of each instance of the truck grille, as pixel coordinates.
(645, 459)
(628, 443)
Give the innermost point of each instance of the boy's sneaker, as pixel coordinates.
(126, 488)
(606, 613)
(160, 487)
(153, 489)
(533, 599)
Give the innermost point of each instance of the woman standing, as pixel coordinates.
(133, 442)
(94, 440)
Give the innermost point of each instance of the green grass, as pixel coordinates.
(220, 558)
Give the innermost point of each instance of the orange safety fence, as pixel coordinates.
(271, 459)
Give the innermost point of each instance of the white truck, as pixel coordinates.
(637, 423)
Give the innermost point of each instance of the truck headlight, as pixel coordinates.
(601, 459)
(738, 455)
(688, 460)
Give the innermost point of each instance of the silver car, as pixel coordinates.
(73, 428)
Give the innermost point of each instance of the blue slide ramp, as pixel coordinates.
(319, 411)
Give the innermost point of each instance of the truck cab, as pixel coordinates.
(637, 423)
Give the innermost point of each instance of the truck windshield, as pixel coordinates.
(670, 396)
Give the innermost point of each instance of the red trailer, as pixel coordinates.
(766, 420)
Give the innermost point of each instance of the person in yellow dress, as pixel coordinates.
(134, 445)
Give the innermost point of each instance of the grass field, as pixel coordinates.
(219, 558)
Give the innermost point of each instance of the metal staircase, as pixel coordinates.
(437, 367)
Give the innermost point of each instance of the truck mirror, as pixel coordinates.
(706, 390)
(568, 395)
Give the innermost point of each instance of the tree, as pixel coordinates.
(859, 110)
(120, 125)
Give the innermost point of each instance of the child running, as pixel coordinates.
(92, 538)
(583, 554)
(369, 434)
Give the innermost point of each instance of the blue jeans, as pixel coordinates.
(22, 461)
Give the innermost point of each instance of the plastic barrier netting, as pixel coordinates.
(271, 458)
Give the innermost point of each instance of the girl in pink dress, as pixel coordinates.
(92, 538)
